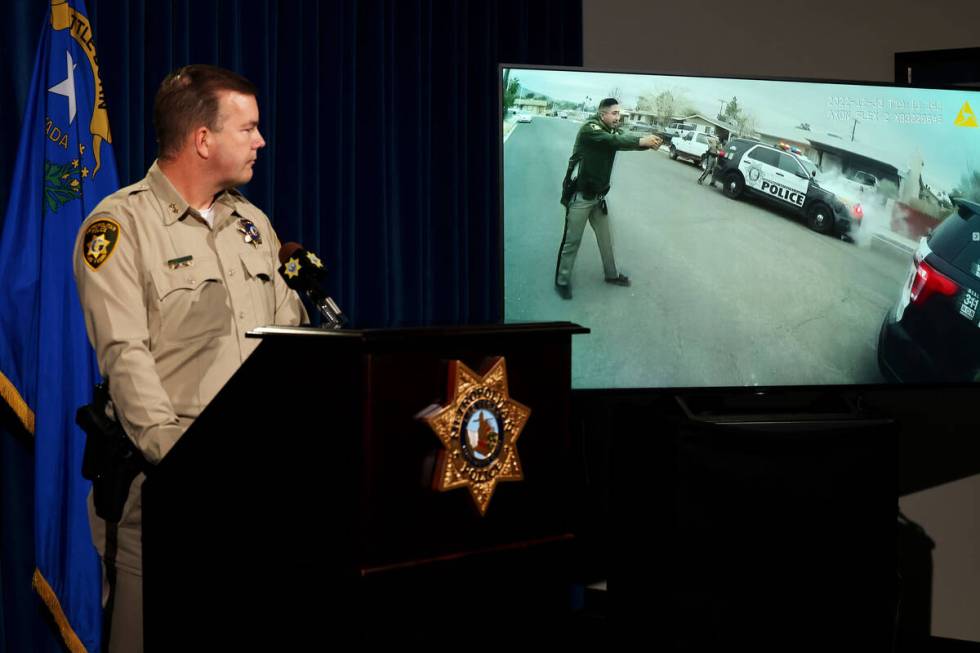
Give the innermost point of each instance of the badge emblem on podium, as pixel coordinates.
(478, 426)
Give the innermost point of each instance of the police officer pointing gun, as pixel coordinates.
(586, 186)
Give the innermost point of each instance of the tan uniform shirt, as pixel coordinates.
(168, 299)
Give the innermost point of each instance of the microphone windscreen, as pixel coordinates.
(301, 269)
(287, 250)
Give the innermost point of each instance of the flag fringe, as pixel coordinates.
(54, 605)
(23, 412)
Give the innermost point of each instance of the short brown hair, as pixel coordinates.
(188, 98)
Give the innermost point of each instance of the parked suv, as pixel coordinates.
(787, 179)
(641, 127)
(933, 331)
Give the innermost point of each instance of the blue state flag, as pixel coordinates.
(65, 165)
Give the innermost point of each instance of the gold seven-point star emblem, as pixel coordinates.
(314, 259)
(292, 268)
(478, 426)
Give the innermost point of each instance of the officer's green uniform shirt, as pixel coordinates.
(595, 150)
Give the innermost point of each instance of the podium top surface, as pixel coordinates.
(417, 333)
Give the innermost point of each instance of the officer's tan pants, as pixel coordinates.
(581, 211)
(121, 549)
(126, 625)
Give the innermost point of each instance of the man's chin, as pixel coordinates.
(243, 179)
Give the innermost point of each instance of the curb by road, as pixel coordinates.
(509, 128)
(894, 244)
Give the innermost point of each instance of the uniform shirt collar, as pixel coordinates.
(597, 120)
(174, 206)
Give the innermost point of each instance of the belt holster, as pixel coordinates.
(111, 460)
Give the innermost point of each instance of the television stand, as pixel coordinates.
(754, 407)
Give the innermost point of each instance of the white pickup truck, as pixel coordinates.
(679, 129)
(692, 146)
(861, 186)
(861, 182)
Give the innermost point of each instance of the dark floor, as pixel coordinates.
(593, 625)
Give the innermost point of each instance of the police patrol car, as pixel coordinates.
(931, 334)
(785, 178)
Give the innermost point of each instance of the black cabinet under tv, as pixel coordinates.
(746, 527)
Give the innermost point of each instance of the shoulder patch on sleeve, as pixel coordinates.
(100, 240)
(595, 127)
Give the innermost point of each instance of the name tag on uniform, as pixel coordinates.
(181, 262)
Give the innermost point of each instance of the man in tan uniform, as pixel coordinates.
(171, 272)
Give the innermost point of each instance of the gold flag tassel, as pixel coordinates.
(54, 605)
(10, 395)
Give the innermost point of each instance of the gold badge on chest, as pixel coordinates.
(250, 231)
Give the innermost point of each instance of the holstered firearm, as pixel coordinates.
(111, 460)
(569, 183)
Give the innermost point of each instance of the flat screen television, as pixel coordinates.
(834, 241)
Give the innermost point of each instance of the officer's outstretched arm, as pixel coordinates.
(595, 134)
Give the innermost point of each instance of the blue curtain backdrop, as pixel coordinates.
(381, 119)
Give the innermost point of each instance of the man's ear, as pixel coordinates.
(202, 141)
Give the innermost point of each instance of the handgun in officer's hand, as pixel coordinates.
(652, 141)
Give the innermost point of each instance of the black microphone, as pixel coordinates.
(303, 271)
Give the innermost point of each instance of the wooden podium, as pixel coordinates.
(301, 506)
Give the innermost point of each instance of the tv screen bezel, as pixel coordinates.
(761, 390)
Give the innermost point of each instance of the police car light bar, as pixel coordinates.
(786, 147)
